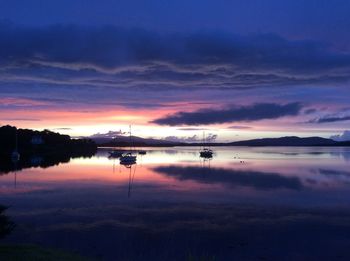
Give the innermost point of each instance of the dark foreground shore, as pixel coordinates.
(187, 232)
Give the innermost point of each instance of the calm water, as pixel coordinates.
(246, 203)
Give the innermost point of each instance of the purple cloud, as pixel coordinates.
(110, 56)
(255, 112)
(329, 119)
(345, 136)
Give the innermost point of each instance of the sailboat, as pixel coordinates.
(205, 152)
(115, 154)
(15, 156)
(142, 152)
(128, 158)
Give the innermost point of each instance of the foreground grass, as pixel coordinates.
(35, 253)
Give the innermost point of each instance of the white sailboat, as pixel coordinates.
(128, 158)
(205, 152)
(15, 156)
(115, 154)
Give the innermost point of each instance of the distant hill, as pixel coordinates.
(122, 141)
(136, 141)
(287, 141)
(343, 143)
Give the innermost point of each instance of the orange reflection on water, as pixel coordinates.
(234, 173)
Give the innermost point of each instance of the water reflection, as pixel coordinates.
(43, 161)
(132, 171)
(205, 162)
(345, 154)
(230, 177)
(179, 173)
(173, 205)
(300, 152)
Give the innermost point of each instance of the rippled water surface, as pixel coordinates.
(247, 203)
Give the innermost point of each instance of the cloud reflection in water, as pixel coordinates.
(231, 177)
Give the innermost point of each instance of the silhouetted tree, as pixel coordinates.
(40, 148)
(49, 141)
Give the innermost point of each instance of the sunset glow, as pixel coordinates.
(174, 130)
(112, 73)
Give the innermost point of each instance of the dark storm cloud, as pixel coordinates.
(330, 119)
(310, 111)
(246, 178)
(259, 111)
(117, 57)
(111, 46)
(331, 172)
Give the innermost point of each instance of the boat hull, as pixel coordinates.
(127, 159)
(206, 154)
(15, 156)
(115, 154)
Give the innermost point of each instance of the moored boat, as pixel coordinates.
(128, 158)
(15, 156)
(142, 152)
(205, 152)
(115, 154)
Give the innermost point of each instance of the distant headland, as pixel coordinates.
(48, 142)
(123, 141)
(39, 148)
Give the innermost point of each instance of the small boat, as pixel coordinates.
(127, 159)
(15, 156)
(36, 160)
(142, 152)
(206, 153)
(115, 154)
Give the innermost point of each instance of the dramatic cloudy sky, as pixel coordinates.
(236, 69)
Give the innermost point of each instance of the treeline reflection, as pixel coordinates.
(40, 160)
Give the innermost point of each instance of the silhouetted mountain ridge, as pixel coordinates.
(121, 140)
(287, 141)
(281, 141)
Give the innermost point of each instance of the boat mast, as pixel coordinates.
(203, 144)
(129, 188)
(16, 142)
(130, 137)
(204, 140)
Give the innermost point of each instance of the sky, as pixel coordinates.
(173, 69)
